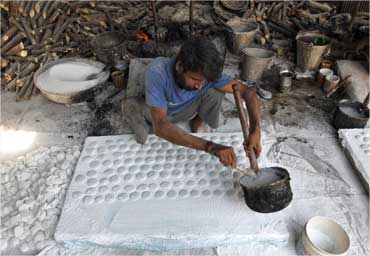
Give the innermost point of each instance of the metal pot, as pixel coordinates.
(350, 115)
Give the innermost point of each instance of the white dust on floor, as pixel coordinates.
(33, 189)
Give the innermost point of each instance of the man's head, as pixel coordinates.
(198, 61)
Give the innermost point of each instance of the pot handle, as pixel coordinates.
(243, 116)
(366, 101)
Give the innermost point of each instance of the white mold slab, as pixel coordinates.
(357, 145)
(160, 196)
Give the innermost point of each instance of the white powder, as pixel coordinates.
(264, 177)
(69, 78)
(33, 190)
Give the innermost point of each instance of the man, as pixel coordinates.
(192, 87)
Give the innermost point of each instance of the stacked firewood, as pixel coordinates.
(35, 32)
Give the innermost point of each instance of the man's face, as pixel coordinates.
(188, 80)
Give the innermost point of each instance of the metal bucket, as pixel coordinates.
(309, 56)
(285, 80)
(348, 116)
(110, 47)
(241, 33)
(267, 196)
(254, 63)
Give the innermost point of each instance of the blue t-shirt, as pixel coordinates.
(162, 91)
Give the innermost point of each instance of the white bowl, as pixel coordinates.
(324, 237)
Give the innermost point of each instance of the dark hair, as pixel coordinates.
(199, 54)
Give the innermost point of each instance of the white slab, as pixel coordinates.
(160, 196)
(357, 145)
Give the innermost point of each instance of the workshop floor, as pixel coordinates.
(302, 114)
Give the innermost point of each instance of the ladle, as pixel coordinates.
(269, 189)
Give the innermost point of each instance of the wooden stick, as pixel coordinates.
(39, 5)
(9, 74)
(30, 67)
(28, 30)
(23, 84)
(45, 10)
(8, 34)
(15, 49)
(4, 62)
(28, 93)
(11, 86)
(12, 42)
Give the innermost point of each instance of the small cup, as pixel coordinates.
(285, 80)
(330, 82)
(118, 79)
(322, 73)
(322, 236)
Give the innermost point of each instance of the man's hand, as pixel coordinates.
(253, 143)
(225, 154)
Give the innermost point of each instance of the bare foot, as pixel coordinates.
(196, 123)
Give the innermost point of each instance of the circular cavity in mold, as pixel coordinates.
(149, 159)
(109, 141)
(181, 158)
(114, 178)
(121, 169)
(112, 147)
(170, 158)
(212, 174)
(209, 166)
(129, 188)
(151, 174)
(366, 139)
(363, 146)
(87, 158)
(79, 178)
(152, 186)
(134, 146)
(217, 192)
(92, 182)
(214, 182)
(151, 139)
(145, 195)
(190, 183)
(87, 199)
(227, 183)
(164, 174)
(176, 183)
(157, 167)
(133, 168)
(164, 184)
(89, 150)
(141, 187)
(103, 189)
(192, 157)
(181, 151)
(156, 145)
(128, 177)
(122, 197)
(159, 194)
(90, 191)
(98, 199)
(188, 173)
(151, 152)
(139, 160)
(128, 161)
(199, 173)
(107, 163)
(91, 173)
(199, 165)
(159, 159)
(204, 157)
(165, 145)
(129, 153)
(202, 182)
(109, 197)
(206, 192)
(230, 192)
(76, 194)
(116, 188)
(101, 156)
(367, 152)
(226, 174)
(236, 175)
(103, 181)
(183, 193)
(134, 195)
(144, 168)
(171, 151)
(116, 162)
(194, 193)
(117, 154)
(179, 165)
(140, 176)
(92, 144)
(94, 164)
(167, 166)
(101, 149)
(171, 194)
(190, 165)
(122, 146)
(176, 173)
(108, 172)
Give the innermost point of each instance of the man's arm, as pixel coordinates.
(253, 106)
(168, 131)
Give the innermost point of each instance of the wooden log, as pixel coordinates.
(260, 39)
(12, 42)
(28, 69)
(30, 88)
(23, 84)
(9, 73)
(11, 86)
(15, 49)
(38, 6)
(46, 48)
(32, 11)
(8, 34)
(265, 30)
(60, 30)
(21, 7)
(320, 6)
(27, 29)
(281, 27)
(53, 17)
(47, 36)
(18, 25)
(27, 8)
(45, 10)
(4, 62)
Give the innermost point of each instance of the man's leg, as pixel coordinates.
(204, 109)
